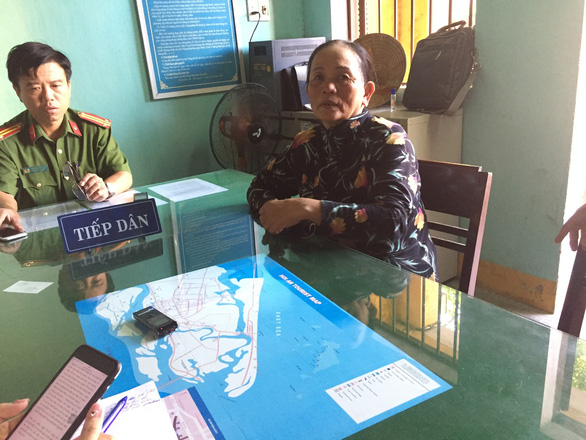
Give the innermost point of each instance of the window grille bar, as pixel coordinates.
(380, 15)
(394, 316)
(456, 328)
(362, 17)
(430, 8)
(407, 309)
(412, 30)
(423, 312)
(439, 318)
(395, 19)
(350, 19)
(358, 18)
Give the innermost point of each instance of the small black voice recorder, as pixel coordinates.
(156, 321)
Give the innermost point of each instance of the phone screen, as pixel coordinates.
(62, 402)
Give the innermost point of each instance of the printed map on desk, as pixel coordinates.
(261, 349)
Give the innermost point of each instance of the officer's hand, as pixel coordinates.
(9, 217)
(95, 188)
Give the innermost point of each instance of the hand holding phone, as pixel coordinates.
(10, 414)
(10, 234)
(64, 403)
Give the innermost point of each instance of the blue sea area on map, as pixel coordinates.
(305, 345)
(101, 336)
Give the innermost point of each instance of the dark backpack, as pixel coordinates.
(442, 70)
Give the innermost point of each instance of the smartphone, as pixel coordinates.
(64, 403)
(9, 234)
(156, 321)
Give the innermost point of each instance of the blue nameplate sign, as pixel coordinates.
(99, 227)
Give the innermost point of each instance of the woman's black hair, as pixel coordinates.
(26, 58)
(365, 62)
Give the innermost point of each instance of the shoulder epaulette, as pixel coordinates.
(9, 130)
(98, 120)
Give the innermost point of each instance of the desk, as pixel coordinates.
(510, 376)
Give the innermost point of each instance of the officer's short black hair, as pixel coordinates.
(27, 57)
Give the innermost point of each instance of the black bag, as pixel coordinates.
(442, 70)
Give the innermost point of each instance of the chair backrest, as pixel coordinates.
(575, 302)
(463, 191)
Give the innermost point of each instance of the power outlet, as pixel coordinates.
(256, 7)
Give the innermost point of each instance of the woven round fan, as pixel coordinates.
(390, 63)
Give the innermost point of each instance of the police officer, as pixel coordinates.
(37, 144)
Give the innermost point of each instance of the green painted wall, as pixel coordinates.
(163, 139)
(519, 121)
(317, 17)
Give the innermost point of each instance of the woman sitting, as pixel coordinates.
(356, 174)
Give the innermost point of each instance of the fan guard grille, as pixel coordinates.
(245, 128)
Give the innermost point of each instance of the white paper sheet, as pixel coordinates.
(118, 199)
(381, 390)
(45, 217)
(32, 287)
(143, 417)
(186, 189)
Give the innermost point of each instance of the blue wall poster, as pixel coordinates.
(190, 46)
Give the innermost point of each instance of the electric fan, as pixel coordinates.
(245, 128)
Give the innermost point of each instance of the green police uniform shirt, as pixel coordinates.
(31, 163)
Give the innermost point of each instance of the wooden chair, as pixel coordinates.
(463, 191)
(572, 314)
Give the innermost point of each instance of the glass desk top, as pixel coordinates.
(510, 377)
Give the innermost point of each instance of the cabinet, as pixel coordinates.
(435, 137)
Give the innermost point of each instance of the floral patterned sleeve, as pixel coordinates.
(277, 181)
(366, 175)
(383, 212)
(364, 172)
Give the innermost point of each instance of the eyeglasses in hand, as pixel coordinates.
(71, 172)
